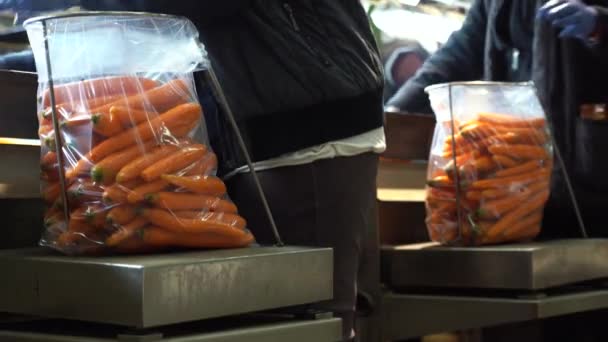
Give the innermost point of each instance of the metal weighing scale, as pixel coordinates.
(257, 294)
(437, 289)
(145, 298)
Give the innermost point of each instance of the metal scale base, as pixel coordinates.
(159, 290)
(234, 329)
(437, 289)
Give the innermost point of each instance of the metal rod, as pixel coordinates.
(215, 85)
(54, 116)
(577, 210)
(454, 159)
(569, 187)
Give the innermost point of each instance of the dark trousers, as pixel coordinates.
(328, 203)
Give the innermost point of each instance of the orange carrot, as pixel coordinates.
(504, 161)
(464, 149)
(99, 87)
(79, 121)
(118, 193)
(121, 214)
(77, 229)
(440, 193)
(457, 138)
(95, 102)
(208, 222)
(478, 131)
(483, 164)
(182, 130)
(207, 185)
(495, 209)
(231, 219)
(184, 201)
(474, 195)
(527, 207)
(183, 158)
(49, 175)
(106, 124)
(51, 192)
(126, 231)
(53, 217)
(135, 245)
(84, 191)
(523, 168)
(520, 151)
(161, 237)
(139, 193)
(521, 136)
(509, 121)
(45, 130)
(179, 116)
(135, 167)
(159, 99)
(131, 117)
(490, 194)
(48, 160)
(441, 182)
(105, 171)
(203, 167)
(93, 215)
(520, 179)
(527, 228)
(450, 168)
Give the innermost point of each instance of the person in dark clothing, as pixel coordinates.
(305, 81)
(400, 66)
(25, 9)
(21, 61)
(563, 52)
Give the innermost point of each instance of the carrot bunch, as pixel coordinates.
(135, 179)
(490, 182)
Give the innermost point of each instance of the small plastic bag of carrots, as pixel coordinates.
(490, 164)
(125, 163)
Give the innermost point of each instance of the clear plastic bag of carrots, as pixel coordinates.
(125, 163)
(490, 164)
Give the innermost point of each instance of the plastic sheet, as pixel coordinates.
(490, 164)
(126, 165)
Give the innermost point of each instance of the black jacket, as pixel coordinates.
(296, 73)
(566, 73)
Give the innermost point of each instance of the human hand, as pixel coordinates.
(573, 17)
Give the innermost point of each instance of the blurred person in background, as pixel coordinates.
(25, 9)
(560, 45)
(401, 65)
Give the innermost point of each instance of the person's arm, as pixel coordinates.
(460, 59)
(203, 12)
(600, 35)
(21, 61)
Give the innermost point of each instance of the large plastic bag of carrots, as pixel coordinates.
(490, 164)
(125, 163)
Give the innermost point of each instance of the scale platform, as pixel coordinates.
(159, 290)
(533, 266)
(412, 315)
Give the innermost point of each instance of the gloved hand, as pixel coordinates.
(573, 17)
